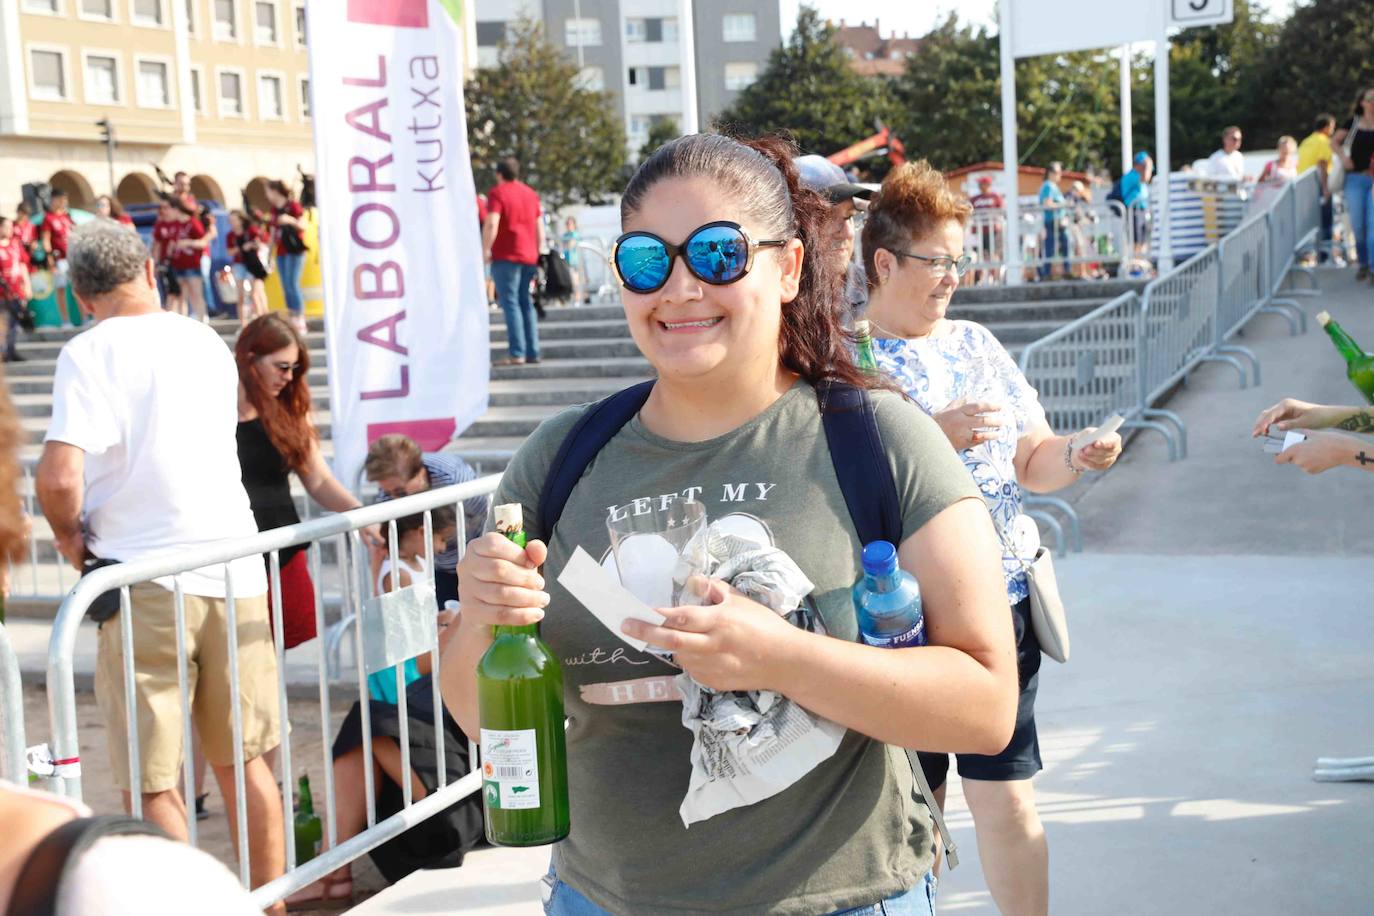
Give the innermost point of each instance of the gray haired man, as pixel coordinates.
(848, 202)
(140, 460)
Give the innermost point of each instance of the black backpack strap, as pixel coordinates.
(856, 449)
(55, 858)
(588, 436)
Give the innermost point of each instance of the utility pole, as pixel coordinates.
(108, 131)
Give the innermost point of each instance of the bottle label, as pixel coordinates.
(510, 769)
(916, 636)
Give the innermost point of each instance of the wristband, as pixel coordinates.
(1068, 459)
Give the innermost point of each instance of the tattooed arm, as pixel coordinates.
(1325, 450)
(1294, 414)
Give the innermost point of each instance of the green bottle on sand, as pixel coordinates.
(520, 705)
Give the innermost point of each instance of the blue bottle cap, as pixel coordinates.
(880, 558)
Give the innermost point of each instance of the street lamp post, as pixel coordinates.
(108, 133)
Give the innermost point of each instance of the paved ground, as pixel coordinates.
(1222, 641)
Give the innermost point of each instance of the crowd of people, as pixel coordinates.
(160, 440)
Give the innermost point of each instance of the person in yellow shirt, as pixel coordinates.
(1315, 152)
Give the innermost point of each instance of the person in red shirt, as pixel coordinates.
(187, 247)
(57, 225)
(15, 291)
(512, 238)
(109, 208)
(247, 244)
(26, 231)
(288, 240)
(987, 226)
(165, 232)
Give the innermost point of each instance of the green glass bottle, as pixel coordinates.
(524, 754)
(863, 341)
(1359, 365)
(309, 831)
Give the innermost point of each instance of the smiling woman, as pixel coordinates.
(741, 319)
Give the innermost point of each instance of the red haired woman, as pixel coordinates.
(277, 438)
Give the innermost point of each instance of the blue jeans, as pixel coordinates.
(290, 266)
(513, 293)
(1054, 234)
(562, 900)
(1359, 203)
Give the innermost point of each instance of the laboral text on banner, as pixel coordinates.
(405, 308)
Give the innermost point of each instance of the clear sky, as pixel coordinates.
(919, 16)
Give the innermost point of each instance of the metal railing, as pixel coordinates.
(1242, 284)
(1097, 241)
(12, 765)
(340, 531)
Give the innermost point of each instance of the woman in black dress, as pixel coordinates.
(277, 438)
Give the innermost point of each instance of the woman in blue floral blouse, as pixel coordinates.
(913, 243)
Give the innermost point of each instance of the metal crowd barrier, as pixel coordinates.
(1097, 235)
(1283, 250)
(338, 530)
(12, 765)
(1242, 284)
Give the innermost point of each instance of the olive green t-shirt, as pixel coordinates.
(847, 833)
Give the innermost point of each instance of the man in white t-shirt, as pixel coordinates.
(140, 460)
(1227, 163)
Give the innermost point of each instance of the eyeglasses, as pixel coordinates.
(718, 253)
(284, 368)
(942, 264)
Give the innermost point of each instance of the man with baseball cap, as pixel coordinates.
(847, 201)
(1135, 197)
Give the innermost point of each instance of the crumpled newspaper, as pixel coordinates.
(750, 746)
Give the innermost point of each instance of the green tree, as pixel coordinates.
(569, 141)
(951, 103)
(809, 90)
(660, 132)
(1322, 58)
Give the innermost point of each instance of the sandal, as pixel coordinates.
(330, 896)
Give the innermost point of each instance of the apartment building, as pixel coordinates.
(217, 88)
(638, 51)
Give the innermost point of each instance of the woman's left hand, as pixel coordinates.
(1099, 454)
(728, 644)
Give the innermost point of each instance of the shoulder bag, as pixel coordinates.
(1048, 618)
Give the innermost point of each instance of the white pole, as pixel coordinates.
(1127, 142)
(577, 14)
(686, 30)
(1166, 250)
(1011, 175)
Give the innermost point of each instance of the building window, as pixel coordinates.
(97, 9)
(50, 7)
(639, 125)
(148, 12)
(582, 33)
(634, 30)
(491, 33)
(230, 94)
(49, 73)
(592, 79)
(102, 79)
(154, 86)
(269, 98)
(670, 30)
(191, 17)
(305, 97)
(659, 78)
(740, 76)
(300, 26)
(197, 98)
(226, 24)
(265, 22)
(741, 27)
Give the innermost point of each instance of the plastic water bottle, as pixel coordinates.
(888, 601)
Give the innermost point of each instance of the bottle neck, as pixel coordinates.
(532, 631)
(881, 584)
(307, 803)
(1345, 344)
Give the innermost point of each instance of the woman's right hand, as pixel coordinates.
(500, 582)
(1291, 413)
(964, 427)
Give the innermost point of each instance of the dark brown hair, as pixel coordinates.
(286, 418)
(441, 517)
(280, 187)
(760, 176)
(393, 455)
(508, 168)
(116, 208)
(914, 201)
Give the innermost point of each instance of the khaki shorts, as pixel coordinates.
(158, 697)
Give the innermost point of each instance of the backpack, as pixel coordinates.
(856, 450)
(1115, 193)
(54, 860)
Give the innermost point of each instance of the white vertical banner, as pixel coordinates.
(401, 252)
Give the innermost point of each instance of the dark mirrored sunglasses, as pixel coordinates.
(718, 253)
